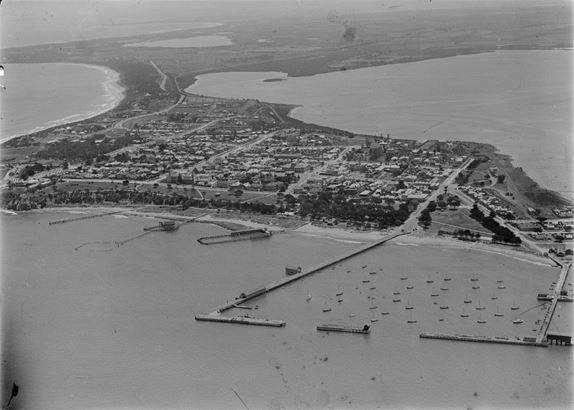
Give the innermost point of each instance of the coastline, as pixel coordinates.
(114, 93)
(335, 234)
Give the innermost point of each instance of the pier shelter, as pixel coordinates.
(559, 339)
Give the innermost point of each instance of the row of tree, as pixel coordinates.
(501, 233)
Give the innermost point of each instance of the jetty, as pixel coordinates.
(262, 290)
(247, 234)
(168, 226)
(565, 270)
(241, 320)
(366, 329)
(81, 218)
(526, 341)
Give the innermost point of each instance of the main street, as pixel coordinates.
(412, 222)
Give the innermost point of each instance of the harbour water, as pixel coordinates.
(90, 324)
(519, 101)
(28, 101)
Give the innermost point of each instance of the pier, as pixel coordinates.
(81, 218)
(527, 341)
(241, 320)
(248, 234)
(247, 296)
(565, 269)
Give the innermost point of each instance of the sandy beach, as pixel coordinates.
(15, 124)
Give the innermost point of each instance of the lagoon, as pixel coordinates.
(519, 101)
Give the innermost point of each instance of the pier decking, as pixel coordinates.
(81, 218)
(242, 320)
(483, 339)
(235, 236)
(565, 269)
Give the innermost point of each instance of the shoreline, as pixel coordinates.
(114, 93)
(308, 229)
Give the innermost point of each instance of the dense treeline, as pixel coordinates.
(336, 206)
(501, 233)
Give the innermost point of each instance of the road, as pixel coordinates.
(164, 77)
(315, 173)
(412, 222)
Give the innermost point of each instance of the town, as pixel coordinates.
(247, 156)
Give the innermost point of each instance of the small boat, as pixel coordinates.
(443, 288)
(480, 307)
(339, 293)
(464, 314)
(326, 308)
(499, 314)
(474, 278)
(517, 321)
(444, 307)
(494, 297)
(514, 307)
(308, 298)
(476, 287)
(366, 280)
(410, 287)
(373, 306)
(480, 319)
(434, 294)
(409, 307)
(373, 288)
(396, 300)
(404, 278)
(384, 313)
(352, 315)
(364, 266)
(430, 281)
(374, 319)
(372, 273)
(396, 292)
(411, 319)
(447, 279)
(339, 300)
(467, 301)
(501, 287)
(499, 281)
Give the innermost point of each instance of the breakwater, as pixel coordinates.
(242, 320)
(243, 235)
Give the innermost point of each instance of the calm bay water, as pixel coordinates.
(39, 96)
(519, 101)
(89, 324)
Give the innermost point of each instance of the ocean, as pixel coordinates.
(89, 324)
(518, 101)
(39, 96)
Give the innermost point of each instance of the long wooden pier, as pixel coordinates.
(483, 339)
(81, 218)
(216, 316)
(306, 272)
(565, 269)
